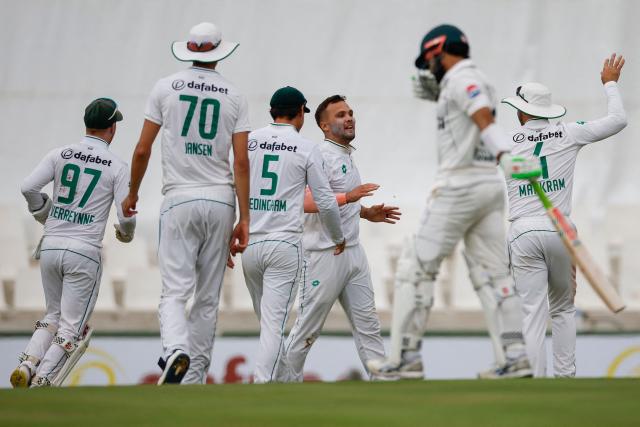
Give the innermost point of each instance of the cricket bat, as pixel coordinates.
(579, 253)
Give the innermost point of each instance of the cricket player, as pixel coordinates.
(87, 179)
(467, 203)
(346, 278)
(542, 268)
(282, 164)
(202, 116)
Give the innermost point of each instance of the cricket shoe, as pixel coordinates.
(514, 368)
(382, 369)
(21, 376)
(174, 368)
(40, 382)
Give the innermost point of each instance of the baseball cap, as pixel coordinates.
(205, 44)
(442, 37)
(288, 97)
(101, 113)
(534, 99)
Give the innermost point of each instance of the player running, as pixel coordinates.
(87, 179)
(542, 268)
(282, 164)
(345, 278)
(202, 116)
(467, 203)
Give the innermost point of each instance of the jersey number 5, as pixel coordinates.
(206, 105)
(269, 175)
(70, 177)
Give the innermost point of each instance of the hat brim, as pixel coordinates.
(182, 53)
(306, 110)
(118, 117)
(552, 111)
(420, 62)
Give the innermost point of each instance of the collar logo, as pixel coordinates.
(344, 169)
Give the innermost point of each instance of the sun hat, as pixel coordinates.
(534, 99)
(205, 44)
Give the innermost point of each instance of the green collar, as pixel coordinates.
(94, 140)
(348, 148)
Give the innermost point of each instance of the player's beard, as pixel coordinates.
(345, 135)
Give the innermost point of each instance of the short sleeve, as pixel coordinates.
(153, 110)
(470, 95)
(242, 122)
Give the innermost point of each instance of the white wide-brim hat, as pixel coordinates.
(534, 99)
(205, 44)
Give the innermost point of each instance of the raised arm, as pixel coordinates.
(616, 118)
(364, 190)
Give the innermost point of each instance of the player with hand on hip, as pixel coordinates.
(346, 278)
(202, 116)
(87, 179)
(282, 164)
(466, 203)
(542, 268)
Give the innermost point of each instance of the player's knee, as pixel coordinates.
(413, 269)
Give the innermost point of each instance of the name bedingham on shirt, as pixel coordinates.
(282, 163)
(343, 177)
(464, 90)
(557, 145)
(199, 111)
(87, 178)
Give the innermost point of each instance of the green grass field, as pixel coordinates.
(593, 402)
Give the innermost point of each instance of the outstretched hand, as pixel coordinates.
(364, 190)
(382, 213)
(612, 68)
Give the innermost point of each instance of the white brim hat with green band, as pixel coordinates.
(534, 99)
(205, 44)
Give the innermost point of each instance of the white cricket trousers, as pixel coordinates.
(195, 229)
(272, 270)
(328, 278)
(71, 272)
(545, 278)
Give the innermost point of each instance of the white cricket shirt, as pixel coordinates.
(199, 111)
(557, 145)
(463, 90)
(282, 164)
(343, 176)
(87, 178)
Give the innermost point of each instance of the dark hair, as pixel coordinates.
(324, 104)
(287, 112)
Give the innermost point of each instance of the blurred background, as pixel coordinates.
(60, 55)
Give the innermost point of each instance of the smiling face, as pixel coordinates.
(338, 123)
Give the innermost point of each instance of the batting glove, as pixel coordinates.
(41, 214)
(425, 86)
(518, 167)
(124, 238)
